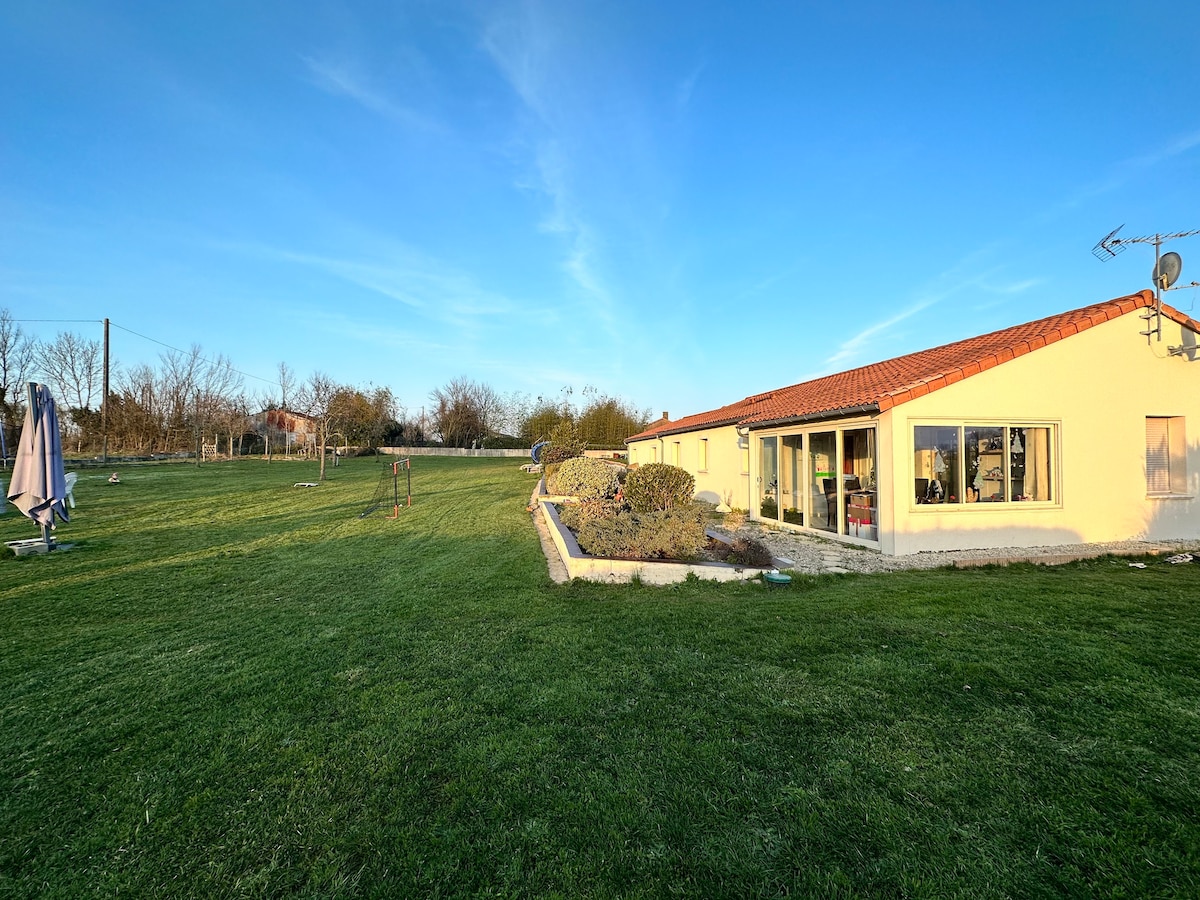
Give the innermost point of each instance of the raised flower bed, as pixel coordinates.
(650, 571)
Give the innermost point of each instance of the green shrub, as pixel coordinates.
(587, 479)
(658, 486)
(576, 515)
(565, 443)
(676, 533)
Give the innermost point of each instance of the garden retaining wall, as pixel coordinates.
(595, 568)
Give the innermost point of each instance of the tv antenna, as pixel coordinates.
(1167, 267)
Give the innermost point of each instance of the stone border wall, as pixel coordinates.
(595, 568)
(510, 454)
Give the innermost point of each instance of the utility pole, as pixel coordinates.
(104, 401)
(197, 425)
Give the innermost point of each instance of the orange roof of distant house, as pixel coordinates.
(882, 385)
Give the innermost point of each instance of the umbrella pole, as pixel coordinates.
(36, 407)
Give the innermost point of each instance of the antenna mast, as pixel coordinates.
(1166, 268)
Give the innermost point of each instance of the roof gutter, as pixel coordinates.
(843, 413)
(744, 426)
(666, 432)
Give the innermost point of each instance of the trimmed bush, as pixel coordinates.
(657, 486)
(576, 515)
(676, 533)
(587, 479)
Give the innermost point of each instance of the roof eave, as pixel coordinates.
(844, 412)
(666, 432)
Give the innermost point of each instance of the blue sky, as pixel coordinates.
(677, 203)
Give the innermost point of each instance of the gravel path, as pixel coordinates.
(811, 554)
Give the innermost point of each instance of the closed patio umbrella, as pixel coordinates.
(39, 485)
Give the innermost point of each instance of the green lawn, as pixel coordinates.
(233, 687)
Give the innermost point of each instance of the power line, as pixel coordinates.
(151, 340)
(86, 321)
(201, 358)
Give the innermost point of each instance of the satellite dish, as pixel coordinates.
(1167, 270)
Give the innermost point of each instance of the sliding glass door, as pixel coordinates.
(791, 479)
(768, 478)
(822, 482)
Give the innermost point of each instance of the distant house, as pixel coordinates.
(1069, 429)
(296, 431)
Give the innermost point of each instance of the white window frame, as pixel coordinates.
(1008, 504)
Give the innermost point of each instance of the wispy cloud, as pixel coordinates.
(345, 79)
(520, 42)
(1124, 172)
(852, 348)
(429, 289)
(687, 87)
(524, 43)
(962, 276)
(1178, 146)
(566, 219)
(1008, 288)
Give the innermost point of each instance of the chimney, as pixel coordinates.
(665, 416)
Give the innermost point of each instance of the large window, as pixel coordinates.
(1166, 455)
(978, 463)
(936, 463)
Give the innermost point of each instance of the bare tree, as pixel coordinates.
(136, 416)
(74, 368)
(218, 385)
(17, 354)
(465, 412)
(175, 393)
(318, 400)
(287, 385)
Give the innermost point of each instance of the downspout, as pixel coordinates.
(744, 432)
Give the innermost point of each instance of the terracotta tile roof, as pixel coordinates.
(882, 385)
(726, 415)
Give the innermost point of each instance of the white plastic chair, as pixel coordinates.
(72, 477)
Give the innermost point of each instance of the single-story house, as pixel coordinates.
(1069, 429)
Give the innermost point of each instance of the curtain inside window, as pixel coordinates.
(1037, 463)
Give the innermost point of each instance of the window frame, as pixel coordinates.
(961, 426)
(1173, 455)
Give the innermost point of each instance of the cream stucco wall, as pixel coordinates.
(1098, 387)
(723, 477)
